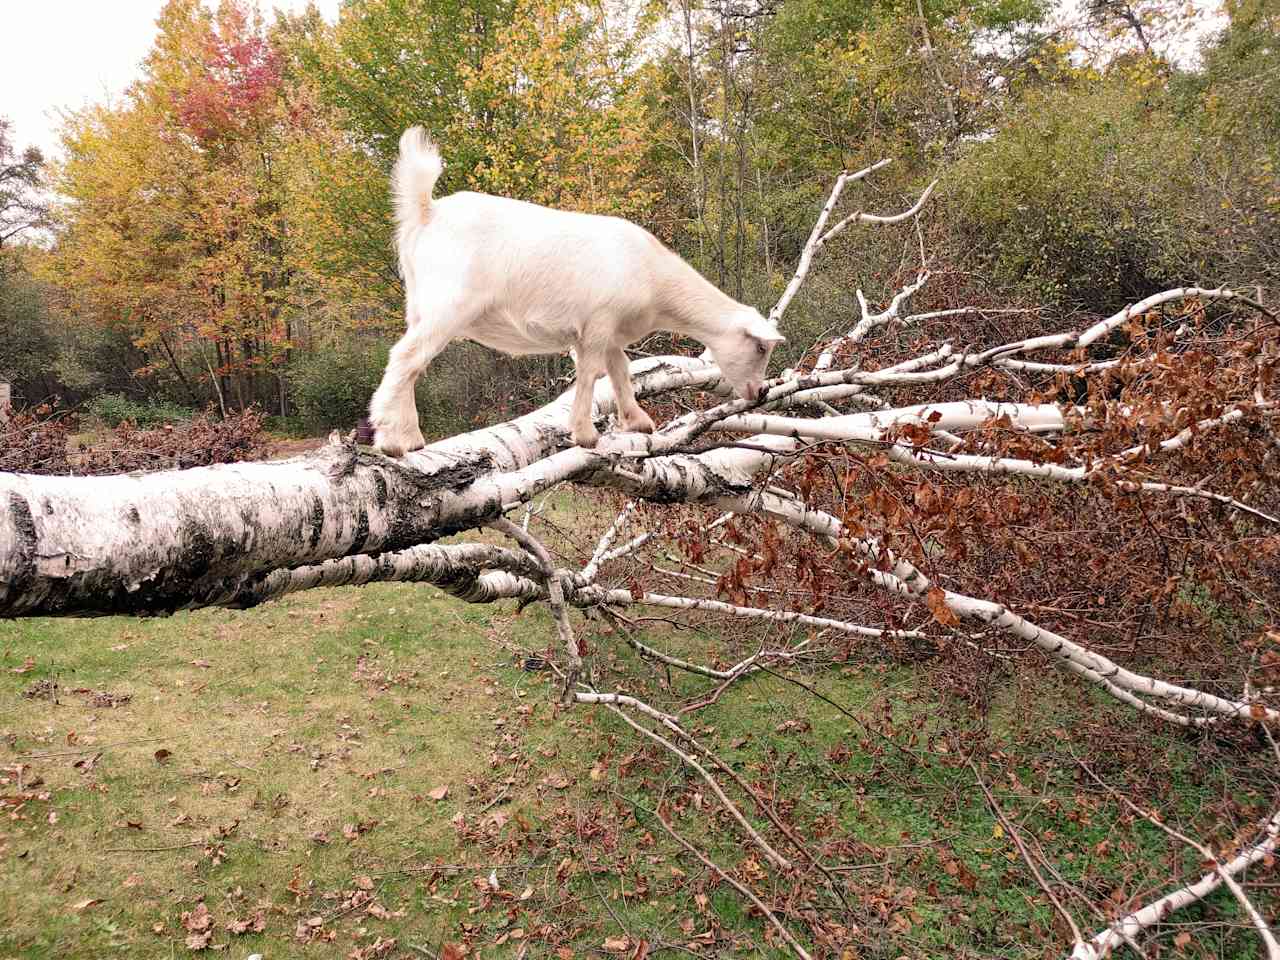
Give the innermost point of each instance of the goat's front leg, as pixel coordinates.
(393, 411)
(590, 368)
(630, 413)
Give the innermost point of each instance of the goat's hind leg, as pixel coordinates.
(393, 411)
(630, 414)
(590, 367)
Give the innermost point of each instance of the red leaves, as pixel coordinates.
(239, 79)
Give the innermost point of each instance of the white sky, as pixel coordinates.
(66, 54)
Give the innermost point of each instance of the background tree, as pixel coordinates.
(22, 203)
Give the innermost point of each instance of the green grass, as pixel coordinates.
(305, 739)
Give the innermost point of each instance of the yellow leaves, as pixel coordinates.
(569, 130)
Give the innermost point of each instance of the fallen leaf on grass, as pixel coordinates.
(28, 665)
(107, 699)
(308, 928)
(197, 920)
(199, 941)
(162, 755)
(379, 948)
(255, 923)
(618, 944)
(203, 664)
(85, 905)
(453, 951)
(199, 927)
(439, 793)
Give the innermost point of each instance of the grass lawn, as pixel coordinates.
(366, 772)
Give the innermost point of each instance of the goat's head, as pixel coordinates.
(742, 351)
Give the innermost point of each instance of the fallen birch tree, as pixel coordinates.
(853, 468)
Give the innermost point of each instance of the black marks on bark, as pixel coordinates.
(197, 556)
(24, 568)
(668, 492)
(360, 538)
(315, 520)
(502, 442)
(379, 490)
(455, 476)
(133, 516)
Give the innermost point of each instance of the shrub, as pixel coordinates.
(331, 386)
(1082, 197)
(113, 409)
(461, 388)
(293, 427)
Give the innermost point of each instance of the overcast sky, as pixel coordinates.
(60, 54)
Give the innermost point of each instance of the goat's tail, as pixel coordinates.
(413, 178)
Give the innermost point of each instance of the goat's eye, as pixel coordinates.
(760, 348)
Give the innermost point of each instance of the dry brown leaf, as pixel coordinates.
(199, 941)
(194, 921)
(937, 601)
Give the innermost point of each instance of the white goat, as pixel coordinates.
(526, 279)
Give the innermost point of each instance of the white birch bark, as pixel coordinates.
(1133, 924)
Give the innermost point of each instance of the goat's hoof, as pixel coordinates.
(396, 443)
(586, 438)
(639, 422)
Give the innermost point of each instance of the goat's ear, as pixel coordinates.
(764, 331)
